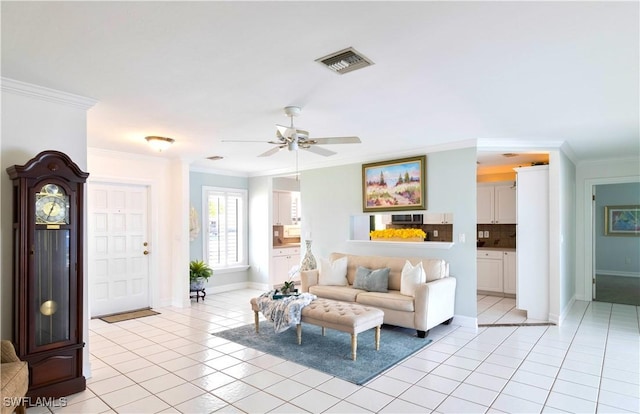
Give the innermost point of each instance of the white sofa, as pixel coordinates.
(433, 302)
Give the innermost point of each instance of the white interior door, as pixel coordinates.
(118, 248)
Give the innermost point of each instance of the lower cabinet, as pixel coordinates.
(497, 271)
(282, 260)
(490, 273)
(509, 268)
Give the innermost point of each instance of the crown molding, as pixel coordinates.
(46, 94)
(512, 145)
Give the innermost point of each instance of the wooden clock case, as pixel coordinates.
(48, 260)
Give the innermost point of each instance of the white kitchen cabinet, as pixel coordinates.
(282, 208)
(282, 260)
(509, 267)
(496, 203)
(437, 218)
(505, 205)
(490, 271)
(497, 271)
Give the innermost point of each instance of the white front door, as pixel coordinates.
(118, 248)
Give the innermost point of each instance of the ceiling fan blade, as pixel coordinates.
(285, 131)
(335, 140)
(271, 151)
(320, 151)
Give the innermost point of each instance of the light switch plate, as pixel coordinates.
(480, 234)
(486, 234)
(435, 233)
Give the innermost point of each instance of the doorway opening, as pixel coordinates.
(616, 270)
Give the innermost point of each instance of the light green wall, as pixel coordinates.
(330, 196)
(260, 215)
(197, 180)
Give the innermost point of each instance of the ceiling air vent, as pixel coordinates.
(344, 61)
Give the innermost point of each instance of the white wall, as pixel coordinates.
(562, 235)
(330, 196)
(589, 174)
(166, 203)
(36, 119)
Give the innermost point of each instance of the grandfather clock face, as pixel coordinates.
(52, 205)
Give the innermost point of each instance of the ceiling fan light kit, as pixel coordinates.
(159, 143)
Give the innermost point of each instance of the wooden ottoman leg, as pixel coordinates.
(354, 345)
(256, 320)
(299, 333)
(378, 338)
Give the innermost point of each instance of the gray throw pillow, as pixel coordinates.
(372, 280)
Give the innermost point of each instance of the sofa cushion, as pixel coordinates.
(333, 273)
(434, 268)
(390, 300)
(411, 276)
(342, 293)
(372, 280)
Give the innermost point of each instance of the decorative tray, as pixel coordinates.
(284, 295)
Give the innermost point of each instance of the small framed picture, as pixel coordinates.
(622, 220)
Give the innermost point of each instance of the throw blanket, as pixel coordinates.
(285, 312)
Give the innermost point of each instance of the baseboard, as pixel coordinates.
(616, 273)
(563, 314)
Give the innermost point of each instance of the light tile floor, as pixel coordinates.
(171, 363)
(500, 310)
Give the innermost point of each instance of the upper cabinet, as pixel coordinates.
(496, 203)
(437, 218)
(286, 207)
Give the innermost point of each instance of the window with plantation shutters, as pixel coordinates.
(226, 216)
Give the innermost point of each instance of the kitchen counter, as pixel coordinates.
(286, 245)
(502, 249)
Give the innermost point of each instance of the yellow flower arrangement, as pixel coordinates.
(397, 233)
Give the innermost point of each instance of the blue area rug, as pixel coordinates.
(331, 353)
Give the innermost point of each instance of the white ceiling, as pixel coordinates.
(515, 74)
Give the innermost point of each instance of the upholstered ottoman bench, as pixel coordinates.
(341, 316)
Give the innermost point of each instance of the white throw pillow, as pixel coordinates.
(410, 277)
(333, 273)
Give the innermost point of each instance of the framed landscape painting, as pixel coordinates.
(622, 220)
(394, 185)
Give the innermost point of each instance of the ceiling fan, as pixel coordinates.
(293, 138)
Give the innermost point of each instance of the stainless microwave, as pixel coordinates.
(406, 219)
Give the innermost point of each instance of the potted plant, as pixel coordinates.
(199, 273)
(288, 287)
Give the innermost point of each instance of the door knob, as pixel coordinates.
(146, 252)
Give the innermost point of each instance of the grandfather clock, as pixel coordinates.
(48, 211)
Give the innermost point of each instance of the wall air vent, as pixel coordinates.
(344, 61)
